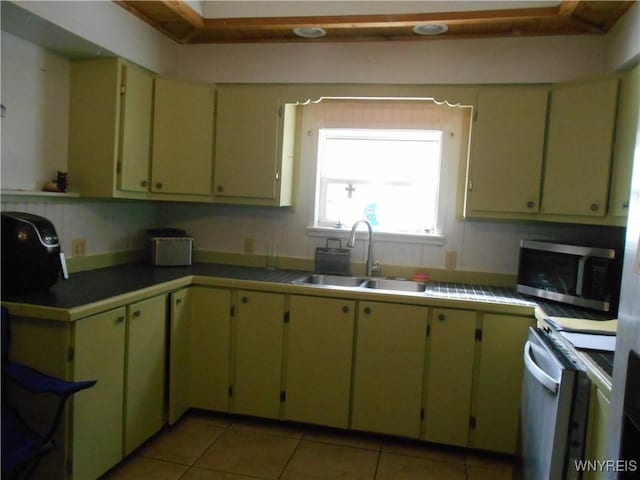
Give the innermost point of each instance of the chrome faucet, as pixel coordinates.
(352, 241)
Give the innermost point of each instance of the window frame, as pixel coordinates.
(396, 134)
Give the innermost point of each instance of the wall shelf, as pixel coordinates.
(7, 192)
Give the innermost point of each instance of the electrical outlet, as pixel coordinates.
(450, 259)
(79, 247)
(249, 245)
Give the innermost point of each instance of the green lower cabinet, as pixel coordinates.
(258, 336)
(318, 362)
(449, 376)
(179, 354)
(496, 408)
(146, 350)
(389, 368)
(596, 447)
(199, 355)
(98, 413)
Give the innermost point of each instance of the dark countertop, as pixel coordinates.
(92, 286)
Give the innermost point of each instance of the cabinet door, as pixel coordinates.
(94, 95)
(179, 354)
(98, 412)
(210, 353)
(448, 396)
(319, 353)
(258, 354)
(249, 144)
(135, 129)
(389, 368)
(596, 447)
(145, 371)
(625, 143)
(199, 350)
(182, 138)
(505, 166)
(579, 146)
(499, 382)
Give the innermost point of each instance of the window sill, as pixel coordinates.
(343, 234)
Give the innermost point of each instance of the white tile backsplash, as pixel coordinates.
(108, 226)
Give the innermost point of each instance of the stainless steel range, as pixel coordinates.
(555, 402)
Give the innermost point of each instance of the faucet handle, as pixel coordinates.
(376, 267)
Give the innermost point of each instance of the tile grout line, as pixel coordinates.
(295, 450)
(206, 450)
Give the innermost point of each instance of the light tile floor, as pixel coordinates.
(205, 446)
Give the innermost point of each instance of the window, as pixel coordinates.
(387, 176)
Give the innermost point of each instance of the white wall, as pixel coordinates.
(35, 90)
(111, 27)
(623, 41)
(514, 60)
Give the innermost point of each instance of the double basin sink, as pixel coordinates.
(362, 282)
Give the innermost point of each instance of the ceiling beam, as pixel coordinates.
(185, 12)
(379, 21)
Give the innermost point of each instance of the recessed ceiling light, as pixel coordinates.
(310, 32)
(430, 29)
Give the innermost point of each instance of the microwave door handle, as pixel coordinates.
(539, 374)
(580, 280)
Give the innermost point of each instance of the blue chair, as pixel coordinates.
(22, 446)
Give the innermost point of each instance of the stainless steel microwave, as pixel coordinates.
(579, 275)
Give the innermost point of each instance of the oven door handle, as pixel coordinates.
(539, 374)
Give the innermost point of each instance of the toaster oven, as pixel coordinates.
(169, 247)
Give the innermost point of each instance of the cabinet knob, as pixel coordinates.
(277, 176)
(594, 207)
(219, 188)
(143, 183)
(120, 319)
(178, 301)
(531, 204)
(245, 300)
(442, 317)
(136, 314)
(158, 185)
(625, 204)
(345, 309)
(367, 310)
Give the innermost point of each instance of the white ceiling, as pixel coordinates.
(293, 8)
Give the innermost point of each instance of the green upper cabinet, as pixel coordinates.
(110, 118)
(135, 129)
(579, 148)
(389, 368)
(132, 135)
(625, 142)
(182, 152)
(505, 162)
(318, 366)
(254, 147)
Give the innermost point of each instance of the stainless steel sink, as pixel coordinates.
(332, 280)
(396, 285)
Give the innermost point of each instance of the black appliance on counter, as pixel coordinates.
(31, 257)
